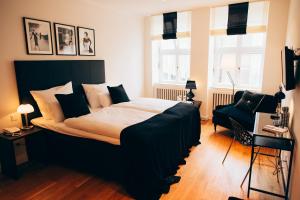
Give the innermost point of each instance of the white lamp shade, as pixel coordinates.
(25, 108)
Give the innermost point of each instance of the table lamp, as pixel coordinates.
(190, 85)
(25, 109)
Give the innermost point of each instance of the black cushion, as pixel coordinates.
(243, 117)
(118, 94)
(249, 102)
(73, 105)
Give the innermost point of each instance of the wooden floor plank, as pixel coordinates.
(203, 177)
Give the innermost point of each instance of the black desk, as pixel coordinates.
(281, 142)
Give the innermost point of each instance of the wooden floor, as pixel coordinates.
(203, 177)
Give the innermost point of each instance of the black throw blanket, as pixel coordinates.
(153, 149)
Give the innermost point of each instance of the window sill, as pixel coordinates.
(170, 85)
(235, 89)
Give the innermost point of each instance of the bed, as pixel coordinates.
(146, 153)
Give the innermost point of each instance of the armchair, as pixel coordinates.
(222, 113)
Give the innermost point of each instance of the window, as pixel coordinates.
(171, 58)
(238, 56)
(242, 56)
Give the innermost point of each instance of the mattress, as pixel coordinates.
(147, 104)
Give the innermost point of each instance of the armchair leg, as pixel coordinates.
(215, 126)
(228, 150)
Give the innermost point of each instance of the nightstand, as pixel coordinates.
(34, 141)
(197, 103)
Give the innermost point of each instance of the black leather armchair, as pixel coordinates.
(222, 112)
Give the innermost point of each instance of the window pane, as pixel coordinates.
(183, 67)
(184, 43)
(156, 25)
(253, 40)
(183, 22)
(244, 62)
(250, 71)
(228, 61)
(168, 44)
(226, 41)
(219, 17)
(258, 13)
(168, 68)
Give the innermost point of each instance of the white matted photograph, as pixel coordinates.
(65, 39)
(86, 41)
(38, 36)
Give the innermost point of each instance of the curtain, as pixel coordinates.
(183, 26)
(237, 18)
(170, 25)
(257, 19)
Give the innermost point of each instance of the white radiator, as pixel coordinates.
(221, 98)
(170, 93)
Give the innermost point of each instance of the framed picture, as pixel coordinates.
(86, 41)
(65, 39)
(38, 36)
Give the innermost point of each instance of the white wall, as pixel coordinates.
(293, 97)
(119, 41)
(276, 34)
(199, 55)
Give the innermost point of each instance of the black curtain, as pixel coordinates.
(170, 25)
(237, 18)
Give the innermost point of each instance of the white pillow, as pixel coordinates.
(47, 102)
(97, 95)
(105, 99)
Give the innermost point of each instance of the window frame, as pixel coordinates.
(177, 51)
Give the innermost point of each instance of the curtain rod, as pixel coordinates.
(214, 6)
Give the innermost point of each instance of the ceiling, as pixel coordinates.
(151, 7)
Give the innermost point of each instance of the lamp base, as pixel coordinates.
(190, 95)
(26, 127)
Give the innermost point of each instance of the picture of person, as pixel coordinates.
(38, 36)
(86, 41)
(65, 39)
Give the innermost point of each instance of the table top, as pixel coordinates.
(24, 133)
(262, 119)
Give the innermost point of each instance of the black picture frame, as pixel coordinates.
(40, 37)
(59, 42)
(84, 50)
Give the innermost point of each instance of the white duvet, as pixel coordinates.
(147, 104)
(109, 121)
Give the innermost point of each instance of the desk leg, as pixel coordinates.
(289, 173)
(251, 163)
(8, 159)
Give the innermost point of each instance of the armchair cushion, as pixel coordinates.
(221, 117)
(249, 102)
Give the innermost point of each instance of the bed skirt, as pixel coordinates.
(147, 159)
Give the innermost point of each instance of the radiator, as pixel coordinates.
(170, 93)
(221, 98)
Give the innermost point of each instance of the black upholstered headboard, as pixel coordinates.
(39, 75)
